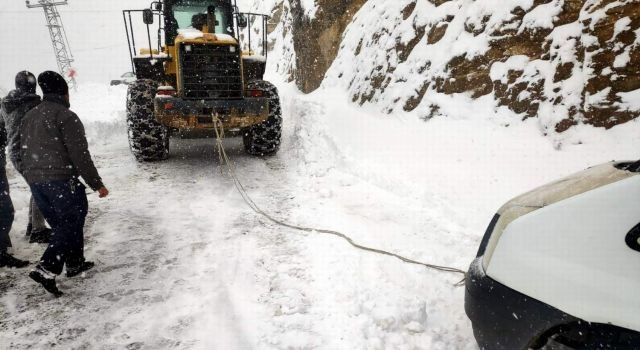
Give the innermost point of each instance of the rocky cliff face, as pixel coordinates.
(563, 61)
(317, 39)
(314, 30)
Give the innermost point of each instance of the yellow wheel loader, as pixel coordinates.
(200, 65)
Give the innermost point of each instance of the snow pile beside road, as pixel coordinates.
(99, 103)
(424, 190)
(101, 108)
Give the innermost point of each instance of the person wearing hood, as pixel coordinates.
(6, 209)
(53, 154)
(17, 103)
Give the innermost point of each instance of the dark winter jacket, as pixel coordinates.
(54, 145)
(14, 107)
(3, 144)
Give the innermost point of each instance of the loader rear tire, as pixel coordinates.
(148, 139)
(264, 139)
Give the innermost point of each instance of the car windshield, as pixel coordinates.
(192, 14)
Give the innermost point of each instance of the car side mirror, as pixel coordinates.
(147, 16)
(242, 21)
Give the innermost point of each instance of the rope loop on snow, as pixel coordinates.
(225, 160)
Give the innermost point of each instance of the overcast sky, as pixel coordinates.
(96, 34)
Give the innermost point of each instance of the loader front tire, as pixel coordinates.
(148, 139)
(264, 139)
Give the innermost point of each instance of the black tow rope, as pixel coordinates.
(224, 160)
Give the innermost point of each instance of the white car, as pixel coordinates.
(559, 267)
(126, 79)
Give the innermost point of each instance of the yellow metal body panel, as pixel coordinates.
(192, 122)
(146, 51)
(235, 119)
(206, 38)
(170, 67)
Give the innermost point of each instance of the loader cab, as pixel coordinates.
(208, 16)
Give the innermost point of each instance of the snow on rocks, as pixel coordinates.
(500, 70)
(283, 59)
(399, 55)
(310, 8)
(630, 100)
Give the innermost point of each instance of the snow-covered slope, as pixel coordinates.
(563, 61)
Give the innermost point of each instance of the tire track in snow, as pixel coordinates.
(175, 266)
(282, 266)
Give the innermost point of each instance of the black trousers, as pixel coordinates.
(64, 206)
(6, 211)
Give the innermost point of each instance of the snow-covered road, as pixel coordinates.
(183, 263)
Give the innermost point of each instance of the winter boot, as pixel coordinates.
(41, 236)
(46, 279)
(76, 270)
(9, 261)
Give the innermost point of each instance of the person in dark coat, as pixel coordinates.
(14, 106)
(6, 209)
(53, 154)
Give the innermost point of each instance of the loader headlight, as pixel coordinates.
(187, 48)
(232, 49)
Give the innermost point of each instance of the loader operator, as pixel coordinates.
(198, 21)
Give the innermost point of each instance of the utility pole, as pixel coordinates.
(59, 39)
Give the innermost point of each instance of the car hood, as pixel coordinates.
(570, 186)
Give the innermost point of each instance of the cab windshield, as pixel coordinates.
(193, 14)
